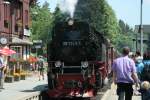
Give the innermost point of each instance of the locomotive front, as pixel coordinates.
(70, 42)
(70, 62)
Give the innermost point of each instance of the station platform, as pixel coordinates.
(111, 94)
(18, 90)
(32, 85)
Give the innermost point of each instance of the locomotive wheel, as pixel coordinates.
(101, 81)
(51, 81)
(44, 95)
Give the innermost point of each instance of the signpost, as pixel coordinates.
(37, 44)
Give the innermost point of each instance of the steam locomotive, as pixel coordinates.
(79, 60)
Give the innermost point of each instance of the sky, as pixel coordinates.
(127, 10)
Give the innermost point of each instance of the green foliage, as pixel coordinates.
(96, 12)
(59, 16)
(121, 40)
(100, 15)
(41, 22)
(125, 28)
(125, 36)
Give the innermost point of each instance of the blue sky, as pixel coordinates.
(51, 2)
(127, 10)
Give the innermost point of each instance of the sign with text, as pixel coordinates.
(27, 32)
(37, 43)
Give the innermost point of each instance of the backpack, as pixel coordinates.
(40, 63)
(146, 73)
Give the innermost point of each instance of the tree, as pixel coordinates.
(122, 40)
(41, 22)
(125, 28)
(100, 15)
(58, 15)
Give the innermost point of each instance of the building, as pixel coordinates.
(14, 26)
(146, 36)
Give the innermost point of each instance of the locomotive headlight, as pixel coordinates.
(70, 22)
(84, 64)
(57, 64)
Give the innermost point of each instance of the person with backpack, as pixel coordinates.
(146, 69)
(41, 67)
(139, 64)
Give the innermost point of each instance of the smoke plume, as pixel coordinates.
(68, 6)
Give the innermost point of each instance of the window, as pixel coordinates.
(26, 17)
(6, 24)
(6, 15)
(16, 28)
(18, 50)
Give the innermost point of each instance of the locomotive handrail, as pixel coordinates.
(90, 62)
(71, 66)
(72, 39)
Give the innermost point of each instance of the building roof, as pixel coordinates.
(16, 40)
(146, 28)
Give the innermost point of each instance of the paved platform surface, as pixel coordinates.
(22, 88)
(111, 94)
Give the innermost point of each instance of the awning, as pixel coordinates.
(7, 51)
(16, 40)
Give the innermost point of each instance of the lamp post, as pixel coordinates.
(141, 29)
(135, 42)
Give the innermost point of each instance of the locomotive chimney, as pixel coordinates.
(70, 21)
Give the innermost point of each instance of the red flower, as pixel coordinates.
(12, 60)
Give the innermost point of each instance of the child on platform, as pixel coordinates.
(145, 90)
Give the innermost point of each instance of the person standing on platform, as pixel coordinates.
(124, 75)
(2, 68)
(145, 90)
(41, 67)
(146, 70)
(139, 64)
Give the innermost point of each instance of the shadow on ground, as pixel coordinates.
(37, 88)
